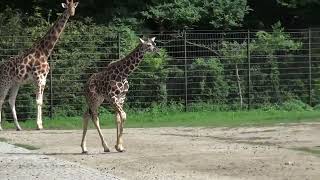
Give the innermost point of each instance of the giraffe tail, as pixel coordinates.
(87, 114)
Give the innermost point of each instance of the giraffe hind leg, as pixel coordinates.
(95, 120)
(3, 93)
(39, 99)
(12, 101)
(86, 118)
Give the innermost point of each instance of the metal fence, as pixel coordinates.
(197, 69)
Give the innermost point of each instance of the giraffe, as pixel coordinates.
(32, 64)
(112, 85)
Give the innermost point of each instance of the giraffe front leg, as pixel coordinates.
(120, 118)
(119, 147)
(40, 89)
(12, 102)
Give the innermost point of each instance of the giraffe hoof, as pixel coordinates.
(19, 129)
(120, 148)
(84, 152)
(39, 128)
(106, 150)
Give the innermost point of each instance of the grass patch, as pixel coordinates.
(314, 151)
(26, 146)
(3, 139)
(183, 119)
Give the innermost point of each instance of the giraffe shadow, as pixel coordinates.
(57, 154)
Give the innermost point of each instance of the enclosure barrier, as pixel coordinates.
(196, 69)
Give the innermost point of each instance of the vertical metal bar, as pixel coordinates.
(51, 68)
(51, 87)
(310, 66)
(185, 71)
(119, 46)
(249, 69)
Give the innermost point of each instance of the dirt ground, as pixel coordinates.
(278, 152)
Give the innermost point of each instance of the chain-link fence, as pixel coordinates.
(195, 69)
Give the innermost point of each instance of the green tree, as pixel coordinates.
(297, 3)
(268, 45)
(209, 82)
(184, 13)
(235, 53)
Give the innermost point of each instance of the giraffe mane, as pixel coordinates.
(130, 54)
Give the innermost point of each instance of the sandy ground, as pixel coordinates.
(278, 152)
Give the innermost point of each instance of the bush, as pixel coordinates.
(316, 107)
(207, 106)
(295, 105)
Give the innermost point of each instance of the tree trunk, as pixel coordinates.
(239, 86)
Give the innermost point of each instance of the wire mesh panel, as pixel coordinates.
(314, 59)
(159, 78)
(194, 69)
(279, 67)
(72, 64)
(216, 67)
(10, 46)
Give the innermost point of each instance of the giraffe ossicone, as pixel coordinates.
(112, 85)
(32, 64)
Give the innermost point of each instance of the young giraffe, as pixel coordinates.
(32, 64)
(112, 85)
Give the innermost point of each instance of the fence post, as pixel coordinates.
(249, 69)
(51, 87)
(119, 46)
(185, 71)
(310, 66)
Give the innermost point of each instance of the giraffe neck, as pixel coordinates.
(47, 43)
(132, 61)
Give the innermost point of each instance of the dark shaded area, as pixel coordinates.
(263, 14)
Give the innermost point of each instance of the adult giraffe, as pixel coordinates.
(32, 64)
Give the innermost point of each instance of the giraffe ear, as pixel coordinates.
(141, 40)
(152, 39)
(76, 4)
(64, 5)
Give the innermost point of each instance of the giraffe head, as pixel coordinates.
(70, 6)
(149, 45)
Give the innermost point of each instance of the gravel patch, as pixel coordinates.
(20, 163)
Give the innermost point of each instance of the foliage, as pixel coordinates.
(268, 75)
(295, 105)
(209, 74)
(151, 75)
(195, 13)
(270, 43)
(86, 45)
(186, 13)
(179, 12)
(297, 3)
(235, 54)
(225, 13)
